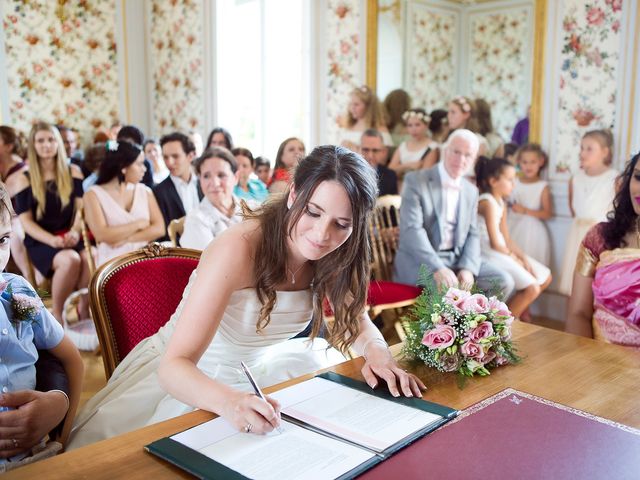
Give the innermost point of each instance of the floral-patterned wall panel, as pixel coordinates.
(500, 57)
(431, 49)
(176, 65)
(61, 63)
(342, 39)
(589, 69)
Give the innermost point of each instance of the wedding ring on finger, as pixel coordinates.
(248, 427)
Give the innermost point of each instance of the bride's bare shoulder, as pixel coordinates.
(232, 253)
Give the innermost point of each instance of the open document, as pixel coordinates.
(332, 427)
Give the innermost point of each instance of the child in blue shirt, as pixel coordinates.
(26, 326)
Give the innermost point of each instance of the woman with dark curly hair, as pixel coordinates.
(606, 282)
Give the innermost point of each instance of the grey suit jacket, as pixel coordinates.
(421, 227)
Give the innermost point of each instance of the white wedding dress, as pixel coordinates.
(133, 397)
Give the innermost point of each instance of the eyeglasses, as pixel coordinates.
(371, 150)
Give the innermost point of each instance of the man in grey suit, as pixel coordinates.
(438, 223)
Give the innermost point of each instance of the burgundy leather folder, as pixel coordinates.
(517, 435)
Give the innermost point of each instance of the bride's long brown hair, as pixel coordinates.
(341, 276)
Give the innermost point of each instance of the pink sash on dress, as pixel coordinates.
(616, 294)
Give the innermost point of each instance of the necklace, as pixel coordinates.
(293, 274)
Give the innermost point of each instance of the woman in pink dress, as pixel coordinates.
(605, 301)
(121, 212)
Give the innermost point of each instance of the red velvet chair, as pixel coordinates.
(385, 294)
(133, 295)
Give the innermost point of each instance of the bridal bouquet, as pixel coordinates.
(460, 331)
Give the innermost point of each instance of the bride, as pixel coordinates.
(257, 286)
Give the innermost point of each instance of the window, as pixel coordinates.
(263, 69)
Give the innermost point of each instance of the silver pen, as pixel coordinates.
(255, 386)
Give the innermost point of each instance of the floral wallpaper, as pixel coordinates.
(176, 65)
(342, 39)
(431, 51)
(591, 46)
(499, 56)
(61, 63)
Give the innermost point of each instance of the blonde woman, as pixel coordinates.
(364, 112)
(48, 198)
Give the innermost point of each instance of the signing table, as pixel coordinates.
(598, 378)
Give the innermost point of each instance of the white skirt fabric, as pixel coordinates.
(577, 232)
(521, 277)
(133, 397)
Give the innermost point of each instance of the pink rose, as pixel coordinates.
(500, 360)
(484, 330)
(455, 297)
(489, 356)
(499, 308)
(476, 303)
(472, 350)
(442, 336)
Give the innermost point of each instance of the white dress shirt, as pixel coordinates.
(187, 191)
(450, 199)
(206, 222)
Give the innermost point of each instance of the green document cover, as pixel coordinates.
(329, 431)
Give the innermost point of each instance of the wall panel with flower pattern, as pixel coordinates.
(61, 63)
(341, 37)
(431, 48)
(176, 56)
(591, 44)
(500, 63)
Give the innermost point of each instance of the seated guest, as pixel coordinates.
(26, 329)
(219, 209)
(74, 154)
(92, 159)
(121, 212)
(374, 151)
(249, 187)
(132, 134)
(438, 223)
(49, 195)
(495, 143)
(178, 194)
(196, 139)
(153, 153)
(219, 137)
(290, 152)
(263, 169)
(11, 167)
(363, 112)
(495, 179)
(606, 282)
(29, 415)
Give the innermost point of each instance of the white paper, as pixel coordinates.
(296, 453)
(374, 422)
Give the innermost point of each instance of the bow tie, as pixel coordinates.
(449, 185)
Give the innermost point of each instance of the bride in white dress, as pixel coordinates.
(257, 286)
